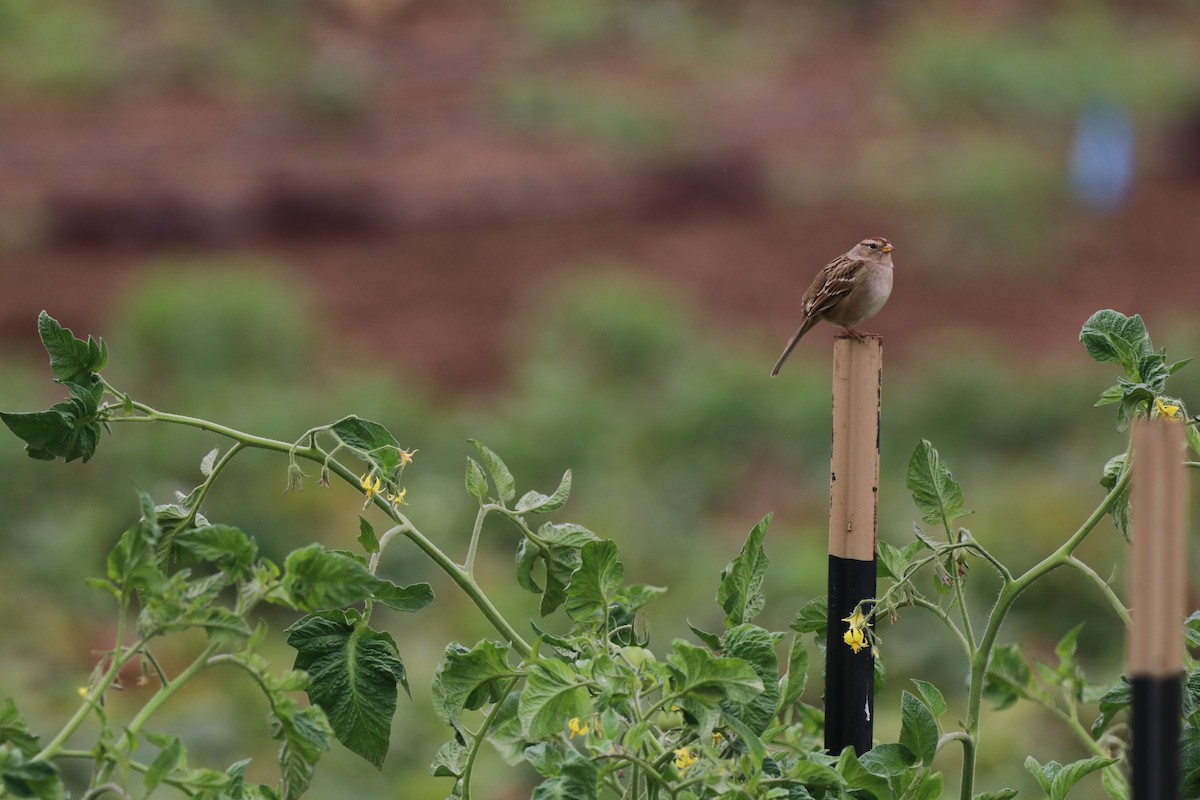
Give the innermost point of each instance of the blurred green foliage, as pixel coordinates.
(677, 438)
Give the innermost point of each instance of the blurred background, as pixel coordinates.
(580, 231)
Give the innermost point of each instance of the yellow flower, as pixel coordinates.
(406, 456)
(577, 728)
(371, 487)
(1168, 410)
(82, 691)
(717, 738)
(398, 499)
(684, 758)
(856, 639)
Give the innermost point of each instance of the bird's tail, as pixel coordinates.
(787, 351)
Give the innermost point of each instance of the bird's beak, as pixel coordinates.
(887, 248)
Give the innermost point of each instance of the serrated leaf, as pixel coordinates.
(888, 760)
(404, 598)
(797, 674)
(1073, 773)
(546, 759)
(918, 728)
(857, 776)
(1118, 698)
(367, 537)
(68, 430)
(72, 360)
(353, 674)
(932, 696)
(594, 583)
(813, 617)
(537, 503)
(1119, 511)
(1008, 677)
(701, 680)
(37, 779)
(305, 735)
(209, 461)
(372, 442)
(501, 477)
(552, 695)
(1111, 336)
(579, 780)
(711, 640)
(740, 593)
(222, 544)
(756, 647)
(469, 678)
(450, 760)
(937, 495)
(476, 481)
(561, 558)
(170, 758)
(15, 730)
(316, 578)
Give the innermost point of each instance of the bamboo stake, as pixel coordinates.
(1157, 586)
(853, 506)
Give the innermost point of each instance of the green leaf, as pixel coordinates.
(552, 695)
(740, 593)
(546, 759)
(1113, 470)
(579, 780)
(72, 360)
(813, 617)
(918, 728)
(316, 578)
(700, 680)
(1111, 336)
(501, 477)
(32, 779)
(797, 674)
(372, 442)
(305, 735)
(594, 583)
(1003, 794)
(537, 503)
(756, 647)
(450, 760)
(1062, 778)
(505, 732)
(932, 696)
(711, 640)
(404, 598)
(14, 729)
(469, 679)
(222, 544)
(68, 430)
(929, 788)
(353, 672)
(171, 757)
(859, 777)
(476, 480)
(563, 542)
(888, 760)
(1008, 677)
(131, 562)
(937, 495)
(367, 537)
(1118, 698)
(890, 561)
(1117, 788)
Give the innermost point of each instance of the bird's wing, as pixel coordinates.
(834, 282)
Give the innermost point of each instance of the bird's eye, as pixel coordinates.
(873, 246)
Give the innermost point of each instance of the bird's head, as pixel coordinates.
(874, 249)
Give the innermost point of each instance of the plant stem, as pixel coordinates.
(941, 614)
(464, 580)
(469, 766)
(1104, 588)
(1008, 595)
(469, 564)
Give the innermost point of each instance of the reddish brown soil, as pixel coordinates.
(426, 222)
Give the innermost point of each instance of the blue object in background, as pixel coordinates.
(1102, 157)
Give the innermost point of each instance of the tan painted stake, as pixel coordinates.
(854, 467)
(1157, 585)
(1158, 568)
(853, 491)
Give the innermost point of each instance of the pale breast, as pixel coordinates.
(865, 301)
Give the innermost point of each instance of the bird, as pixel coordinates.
(848, 290)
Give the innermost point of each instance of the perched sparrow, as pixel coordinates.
(849, 290)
